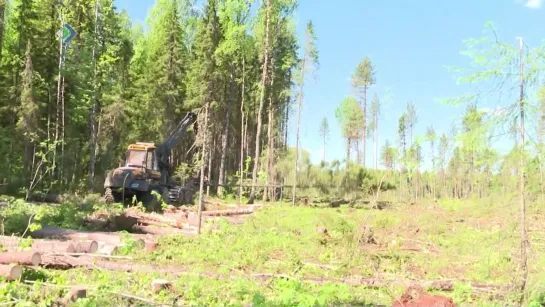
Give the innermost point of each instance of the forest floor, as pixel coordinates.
(301, 256)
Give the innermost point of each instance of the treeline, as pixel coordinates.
(465, 161)
(68, 112)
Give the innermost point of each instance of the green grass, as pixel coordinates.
(464, 240)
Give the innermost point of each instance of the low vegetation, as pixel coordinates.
(444, 240)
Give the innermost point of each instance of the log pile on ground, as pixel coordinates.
(59, 247)
(172, 221)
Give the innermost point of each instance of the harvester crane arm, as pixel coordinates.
(176, 134)
(163, 150)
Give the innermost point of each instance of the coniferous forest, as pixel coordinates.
(69, 111)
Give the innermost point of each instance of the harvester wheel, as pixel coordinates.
(109, 196)
(188, 197)
(148, 200)
(152, 202)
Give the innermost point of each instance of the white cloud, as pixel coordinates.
(534, 4)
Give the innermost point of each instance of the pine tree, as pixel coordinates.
(362, 79)
(324, 132)
(265, 65)
(349, 115)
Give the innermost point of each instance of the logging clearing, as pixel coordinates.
(347, 254)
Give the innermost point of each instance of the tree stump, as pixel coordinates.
(159, 284)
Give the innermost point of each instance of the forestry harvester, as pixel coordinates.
(147, 168)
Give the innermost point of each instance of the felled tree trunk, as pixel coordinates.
(373, 283)
(162, 230)
(25, 258)
(13, 244)
(156, 219)
(229, 212)
(88, 247)
(68, 234)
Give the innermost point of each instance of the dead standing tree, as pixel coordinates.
(497, 60)
(261, 101)
(523, 231)
(309, 61)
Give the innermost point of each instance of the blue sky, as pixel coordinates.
(409, 42)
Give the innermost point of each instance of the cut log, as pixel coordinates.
(11, 271)
(173, 220)
(74, 294)
(124, 222)
(239, 220)
(159, 284)
(228, 212)
(12, 244)
(154, 230)
(25, 258)
(442, 285)
(96, 223)
(62, 247)
(214, 203)
(150, 246)
(235, 206)
(107, 249)
(86, 247)
(69, 234)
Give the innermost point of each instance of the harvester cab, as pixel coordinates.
(147, 168)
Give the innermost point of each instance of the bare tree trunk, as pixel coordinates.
(358, 154)
(225, 138)
(348, 145)
(2, 22)
(295, 169)
(247, 142)
(242, 134)
(523, 232)
(286, 125)
(541, 183)
(203, 158)
(210, 157)
(270, 152)
(323, 158)
(57, 107)
(92, 116)
(364, 124)
(270, 138)
(376, 141)
(63, 139)
(261, 101)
